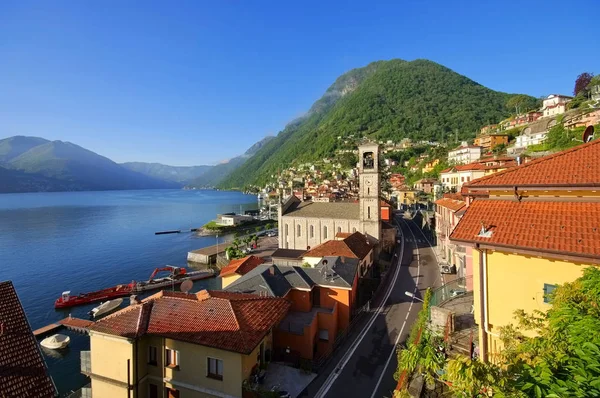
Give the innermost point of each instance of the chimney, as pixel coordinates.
(133, 299)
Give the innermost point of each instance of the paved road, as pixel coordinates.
(365, 364)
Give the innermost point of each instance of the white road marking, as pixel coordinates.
(340, 366)
(403, 324)
(437, 259)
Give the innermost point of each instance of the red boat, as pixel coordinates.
(176, 277)
(66, 300)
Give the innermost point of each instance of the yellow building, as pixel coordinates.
(406, 196)
(531, 227)
(237, 268)
(175, 345)
(491, 141)
(429, 166)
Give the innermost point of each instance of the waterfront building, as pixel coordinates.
(530, 227)
(175, 344)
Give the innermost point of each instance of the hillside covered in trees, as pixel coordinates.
(386, 100)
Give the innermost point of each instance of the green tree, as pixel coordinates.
(498, 149)
(518, 102)
(269, 226)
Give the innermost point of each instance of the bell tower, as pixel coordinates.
(369, 189)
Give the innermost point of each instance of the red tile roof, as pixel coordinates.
(354, 246)
(343, 235)
(465, 167)
(23, 372)
(452, 204)
(578, 166)
(229, 321)
(241, 266)
(557, 227)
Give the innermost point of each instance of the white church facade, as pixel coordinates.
(304, 225)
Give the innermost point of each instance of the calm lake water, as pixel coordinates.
(85, 241)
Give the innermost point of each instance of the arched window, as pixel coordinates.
(353, 229)
(369, 212)
(325, 232)
(339, 229)
(286, 229)
(368, 160)
(312, 231)
(298, 230)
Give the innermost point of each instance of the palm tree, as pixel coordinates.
(255, 240)
(269, 226)
(236, 243)
(258, 229)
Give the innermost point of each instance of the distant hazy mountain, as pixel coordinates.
(218, 173)
(60, 166)
(12, 147)
(180, 174)
(19, 181)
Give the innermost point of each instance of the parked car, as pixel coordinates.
(457, 292)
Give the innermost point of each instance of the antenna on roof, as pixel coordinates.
(186, 286)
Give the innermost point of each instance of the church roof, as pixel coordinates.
(341, 210)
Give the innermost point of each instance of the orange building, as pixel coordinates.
(322, 299)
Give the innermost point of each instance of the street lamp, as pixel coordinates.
(412, 295)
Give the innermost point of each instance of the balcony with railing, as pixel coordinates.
(86, 362)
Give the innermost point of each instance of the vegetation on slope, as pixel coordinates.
(389, 100)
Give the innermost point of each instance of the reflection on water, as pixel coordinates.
(56, 354)
(86, 241)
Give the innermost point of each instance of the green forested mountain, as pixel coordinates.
(385, 100)
(180, 174)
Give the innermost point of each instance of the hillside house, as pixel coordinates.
(464, 154)
(528, 234)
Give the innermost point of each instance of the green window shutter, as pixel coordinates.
(548, 289)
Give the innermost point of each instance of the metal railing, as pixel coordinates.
(83, 392)
(450, 290)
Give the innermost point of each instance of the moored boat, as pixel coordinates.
(56, 342)
(177, 276)
(106, 307)
(66, 300)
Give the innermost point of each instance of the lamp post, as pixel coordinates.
(412, 295)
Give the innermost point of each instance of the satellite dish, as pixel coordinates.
(588, 134)
(186, 286)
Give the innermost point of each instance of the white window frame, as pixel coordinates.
(168, 362)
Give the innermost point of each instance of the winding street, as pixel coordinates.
(365, 364)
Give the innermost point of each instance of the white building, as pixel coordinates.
(534, 134)
(464, 154)
(454, 177)
(555, 104)
(231, 219)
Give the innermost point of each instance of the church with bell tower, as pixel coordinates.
(369, 186)
(306, 224)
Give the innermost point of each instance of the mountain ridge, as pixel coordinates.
(385, 100)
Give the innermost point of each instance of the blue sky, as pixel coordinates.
(196, 82)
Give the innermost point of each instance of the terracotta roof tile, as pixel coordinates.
(241, 266)
(23, 372)
(451, 204)
(578, 166)
(557, 227)
(354, 246)
(228, 321)
(465, 167)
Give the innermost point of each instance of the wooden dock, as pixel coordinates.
(74, 324)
